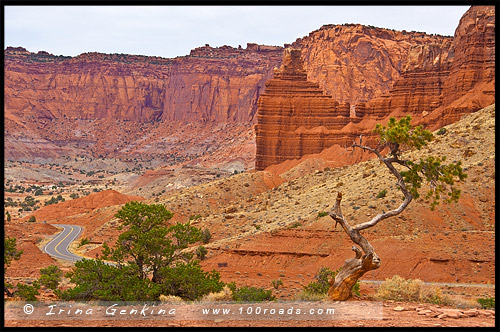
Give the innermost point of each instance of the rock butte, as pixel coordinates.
(286, 110)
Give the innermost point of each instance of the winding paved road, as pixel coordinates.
(58, 247)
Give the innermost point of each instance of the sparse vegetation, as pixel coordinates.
(201, 252)
(206, 236)
(399, 289)
(382, 193)
(276, 283)
(322, 214)
(250, 294)
(83, 242)
(441, 131)
(487, 303)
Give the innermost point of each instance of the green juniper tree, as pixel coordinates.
(397, 136)
(10, 253)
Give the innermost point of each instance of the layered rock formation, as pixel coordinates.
(211, 84)
(355, 63)
(294, 115)
(445, 80)
(441, 79)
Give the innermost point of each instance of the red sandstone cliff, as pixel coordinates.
(289, 107)
(211, 84)
(441, 78)
(442, 82)
(116, 104)
(355, 63)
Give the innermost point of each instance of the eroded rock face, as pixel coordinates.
(211, 84)
(445, 80)
(435, 79)
(294, 115)
(355, 63)
(470, 85)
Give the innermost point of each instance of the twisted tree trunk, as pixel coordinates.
(354, 268)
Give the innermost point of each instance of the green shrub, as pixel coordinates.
(201, 252)
(487, 303)
(189, 281)
(322, 214)
(382, 193)
(250, 294)
(205, 235)
(28, 292)
(441, 131)
(50, 277)
(295, 224)
(83, 242)
(32, 219)
(321, 285)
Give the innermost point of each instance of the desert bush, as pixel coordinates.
(189, 281)
(441, 131)
(250, 294)
(224, 295)
(322, 214)
(32, 219)
(277, 283)
(205, 235)
(399, 289)
(201, 252)
(28, 292)
(171, 299)
(50, 276)
(321, 285)
(487, 303)
(83, 242)
(382, 193)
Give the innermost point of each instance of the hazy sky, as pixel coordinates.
(171, 31)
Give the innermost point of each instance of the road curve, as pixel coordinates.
(58, 247)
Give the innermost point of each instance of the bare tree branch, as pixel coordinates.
(401, 184)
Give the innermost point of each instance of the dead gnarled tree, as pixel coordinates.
(397, 136)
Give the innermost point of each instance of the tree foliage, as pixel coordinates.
(400, 136)
(149, 242)
(10, 253)
(50, 277)
(189, 281)
(96, 280)
(147, 261)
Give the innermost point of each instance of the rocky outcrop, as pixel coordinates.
(211, 84)
(294, 115)
(435, 79)
(420, 87)
(470, 85)
(440, 82)
(355, 63)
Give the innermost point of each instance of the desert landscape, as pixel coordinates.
(253, 145)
